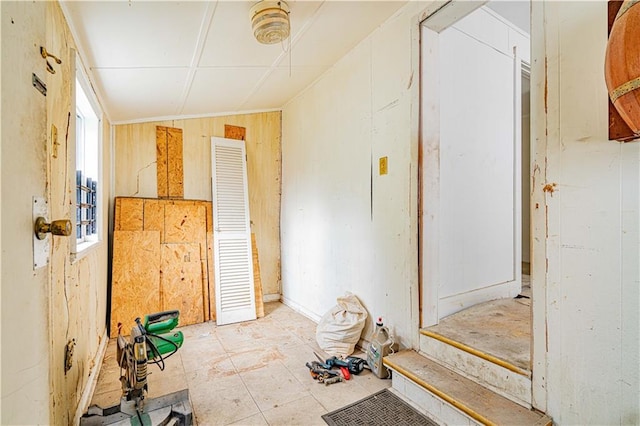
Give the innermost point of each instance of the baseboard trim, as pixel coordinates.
(271, 298)
(87, 393)
(458, 302)
(301, 310)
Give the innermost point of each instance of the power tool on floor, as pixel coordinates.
(150, 342)
(354, 364)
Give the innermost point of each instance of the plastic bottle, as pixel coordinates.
(379, 347)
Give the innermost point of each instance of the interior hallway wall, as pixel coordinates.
(345, 227)
(136, 173)
(38, 319)
(586, 191)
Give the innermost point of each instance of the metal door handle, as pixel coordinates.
(57, 227)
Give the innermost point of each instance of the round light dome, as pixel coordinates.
(270, 21)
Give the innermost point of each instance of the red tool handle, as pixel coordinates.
(345, 373)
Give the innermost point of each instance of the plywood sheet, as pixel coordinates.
(184, 222)
(128, 214)
(135, 277)
(209, 212)
(235, 132)
(257, 283)
(204, 272)
(175, 173)
(162, 155)
(153, 218)
(212, 277)
(181, 283)
(135, 173)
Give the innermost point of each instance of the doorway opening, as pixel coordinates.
(475, 174)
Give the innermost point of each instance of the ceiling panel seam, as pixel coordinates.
(282, 55)
(205, 26)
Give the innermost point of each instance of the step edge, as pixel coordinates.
(428, 349)
(525, 403)
(476, 352)
(440, 394)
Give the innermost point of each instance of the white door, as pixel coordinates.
(235, 300)
(474, 211)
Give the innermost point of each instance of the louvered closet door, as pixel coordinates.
(232, 233)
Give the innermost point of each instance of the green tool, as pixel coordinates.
(158, 331)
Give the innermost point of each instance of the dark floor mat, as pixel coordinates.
(381, 408)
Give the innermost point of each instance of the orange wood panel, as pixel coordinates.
(135, 278)
(181, 281)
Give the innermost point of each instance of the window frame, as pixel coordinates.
(80, 247)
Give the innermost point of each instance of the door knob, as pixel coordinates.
(57, 227)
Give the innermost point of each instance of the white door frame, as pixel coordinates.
(442, 15)
(431, 172)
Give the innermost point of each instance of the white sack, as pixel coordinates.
(339, 329)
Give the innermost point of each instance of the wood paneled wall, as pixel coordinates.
(77, 288)
(136, 172)
(162, 260)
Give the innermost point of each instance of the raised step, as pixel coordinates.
(499, 375)
(450, 398)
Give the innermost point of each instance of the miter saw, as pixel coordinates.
(150, 342)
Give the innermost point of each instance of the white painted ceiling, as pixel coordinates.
(153, 59)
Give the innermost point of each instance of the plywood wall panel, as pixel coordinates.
(204, 284)
(135, 277)
(209, 207)
(129, 212)
(175, 177)
(212, 276)
(135, 157)
(235, 132)
(184, 222)
(153, 218)
(76, 291)
(162, 162)
(181, 281)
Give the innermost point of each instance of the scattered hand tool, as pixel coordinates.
(345, 373)
(354, 364)
(333, 380)
(319, 373)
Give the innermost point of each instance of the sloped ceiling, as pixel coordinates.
(150, 60)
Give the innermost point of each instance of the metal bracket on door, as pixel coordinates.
(40, 246)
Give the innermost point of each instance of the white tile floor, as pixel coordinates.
(249, 373)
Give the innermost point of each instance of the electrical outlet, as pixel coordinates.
(383, 163)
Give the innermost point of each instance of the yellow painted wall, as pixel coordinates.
(135, 172)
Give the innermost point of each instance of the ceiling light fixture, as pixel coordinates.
(270, 21)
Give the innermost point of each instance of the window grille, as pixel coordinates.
(86, 203)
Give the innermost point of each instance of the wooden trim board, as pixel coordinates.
(257, 282)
